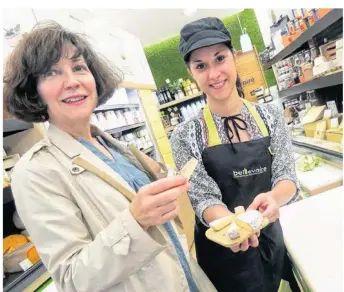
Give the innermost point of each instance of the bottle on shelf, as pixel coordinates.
(199, 105)
(184, 113)
(194, 109)
(160, 96)
(170, 94)
(181, 92)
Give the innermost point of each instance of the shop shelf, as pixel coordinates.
(181, 100)
(148, 150)
(15, 125)
(125, 128)
(311, 144)
(317, 83)
(323, 23)
(115, 107)
(18, 282)
(170, 129)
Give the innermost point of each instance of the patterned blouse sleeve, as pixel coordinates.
(204, 192)
(283, 163)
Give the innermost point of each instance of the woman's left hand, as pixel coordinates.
(266, 204)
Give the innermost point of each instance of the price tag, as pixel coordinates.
(327, 114)
(332, 105)
(334, 123)
(26, 264)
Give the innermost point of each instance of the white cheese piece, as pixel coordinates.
(254, 218)
(233, 231)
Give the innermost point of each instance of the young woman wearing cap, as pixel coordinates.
(231, 135)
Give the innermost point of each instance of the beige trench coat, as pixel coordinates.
(82, 227)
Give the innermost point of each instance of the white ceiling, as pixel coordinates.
(154, 25)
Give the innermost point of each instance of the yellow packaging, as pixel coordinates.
(334, 135)
(314, 114)
(320, 130)
(310, 128)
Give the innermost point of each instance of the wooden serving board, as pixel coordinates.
(221, 237)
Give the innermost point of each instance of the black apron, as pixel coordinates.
(242, 171)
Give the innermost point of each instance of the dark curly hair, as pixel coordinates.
(35, 54)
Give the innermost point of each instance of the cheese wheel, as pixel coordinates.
(33, 255)
(13, 242)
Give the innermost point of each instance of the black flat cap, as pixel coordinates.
(201, 33)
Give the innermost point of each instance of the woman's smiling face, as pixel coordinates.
(213, 68)
(68, 89)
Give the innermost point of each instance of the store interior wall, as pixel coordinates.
(166, 63)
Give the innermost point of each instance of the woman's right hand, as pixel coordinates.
(156, 203)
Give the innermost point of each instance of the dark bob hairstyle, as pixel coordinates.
(35, 54)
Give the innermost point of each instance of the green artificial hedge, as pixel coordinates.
(166, 63)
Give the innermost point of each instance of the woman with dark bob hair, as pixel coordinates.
(98, 220)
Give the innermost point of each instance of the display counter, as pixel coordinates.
(313, 236)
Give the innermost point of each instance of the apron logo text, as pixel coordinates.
(250, 172)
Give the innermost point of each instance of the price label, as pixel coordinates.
(25, 264)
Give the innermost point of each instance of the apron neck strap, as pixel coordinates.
(261, 125)
(213, 136)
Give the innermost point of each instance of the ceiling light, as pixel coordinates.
(189, 11)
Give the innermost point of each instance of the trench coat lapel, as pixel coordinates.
(86, 160)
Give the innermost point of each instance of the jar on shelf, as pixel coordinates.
(303, 25)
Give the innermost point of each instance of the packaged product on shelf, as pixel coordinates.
(136, 116)
(185, 113)
(297, 13)
(190, 111)
(160, 96)
(108, 121)
(181, 92)
(169, 89)
(101, 120)
(194, 109)
(121, 118)
(174, 119)
(332, 105)
(199, 106)
(307, 72)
